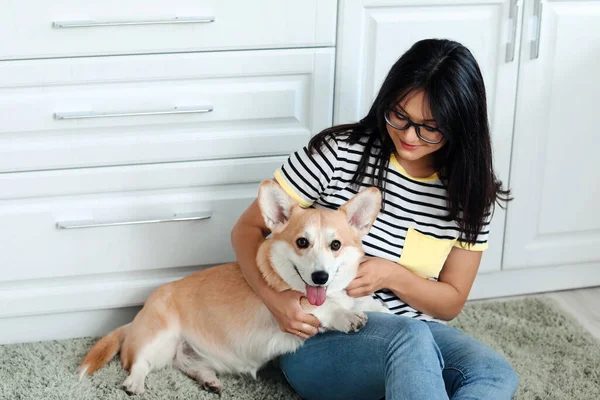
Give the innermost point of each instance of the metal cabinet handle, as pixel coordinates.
(513, 18)
(91, 24)
(96, 224)
(537, 20)
(92, 114)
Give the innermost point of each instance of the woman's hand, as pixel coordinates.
(285, 307)
(373, 274)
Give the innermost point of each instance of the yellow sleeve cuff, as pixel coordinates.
(476, 247)
(288, 189)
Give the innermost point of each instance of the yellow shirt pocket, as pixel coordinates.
(424, 255)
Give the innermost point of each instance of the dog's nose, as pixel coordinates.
(320, 277)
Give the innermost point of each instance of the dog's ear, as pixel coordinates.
(362, 209)
(275, 205)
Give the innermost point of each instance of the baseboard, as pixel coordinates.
(515, 282)
(36, 328)
(92, 306)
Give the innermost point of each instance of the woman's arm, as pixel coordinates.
(443, 299)
(247, 235)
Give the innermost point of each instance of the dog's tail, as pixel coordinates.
(102, 352)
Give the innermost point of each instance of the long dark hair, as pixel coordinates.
(451, 80)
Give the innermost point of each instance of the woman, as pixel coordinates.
(426, 144)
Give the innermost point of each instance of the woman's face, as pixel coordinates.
(409, 146)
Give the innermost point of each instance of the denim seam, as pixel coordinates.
(457, 369)
(464, 376)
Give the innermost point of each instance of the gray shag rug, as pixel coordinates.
(554, 356)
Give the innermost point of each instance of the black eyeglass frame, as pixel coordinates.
(417, 127)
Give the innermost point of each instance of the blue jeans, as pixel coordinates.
(398, 358)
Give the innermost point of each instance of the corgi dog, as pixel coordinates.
(212, 322)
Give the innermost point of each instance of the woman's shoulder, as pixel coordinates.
(358, 144)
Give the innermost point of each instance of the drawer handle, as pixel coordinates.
(96, 224)
(91, 24)
(92, 114)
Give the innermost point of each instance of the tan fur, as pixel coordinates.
(264, 265)
(212, 321)
(104, 350)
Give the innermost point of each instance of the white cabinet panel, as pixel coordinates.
(261, 103)
(77, 181)
(374, 34)
(66, 28)
(72, 223)
(104, 233)
(555, 218)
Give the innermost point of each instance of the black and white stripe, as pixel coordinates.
(323, 179)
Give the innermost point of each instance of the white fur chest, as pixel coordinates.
(264, 342)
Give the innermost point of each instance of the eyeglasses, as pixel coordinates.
(429, 134)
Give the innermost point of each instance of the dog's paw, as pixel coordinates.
(349, 321)
(213, 386)
(133, 386)
(359, 322)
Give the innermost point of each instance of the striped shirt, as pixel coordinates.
(412, 229)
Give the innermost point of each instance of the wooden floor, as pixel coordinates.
(583, 304)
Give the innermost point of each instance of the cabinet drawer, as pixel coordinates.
(68, 113)
(65, 28)
(112, 237)
(161, 227)
(26, 185)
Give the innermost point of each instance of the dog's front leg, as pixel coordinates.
(333, 316)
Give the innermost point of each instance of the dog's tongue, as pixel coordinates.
(316, 294)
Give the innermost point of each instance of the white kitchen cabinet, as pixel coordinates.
(374, 34)
(552, 235)
(266, 70)
(555, 172)
(132, 138)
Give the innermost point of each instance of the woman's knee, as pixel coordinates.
(505, 374)
(497, 372)
(410, 338)
(473, 366)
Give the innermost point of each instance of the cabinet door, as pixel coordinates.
(555, 219)
(372, 35)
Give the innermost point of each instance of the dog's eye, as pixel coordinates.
(302, 243)
(335, 245)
